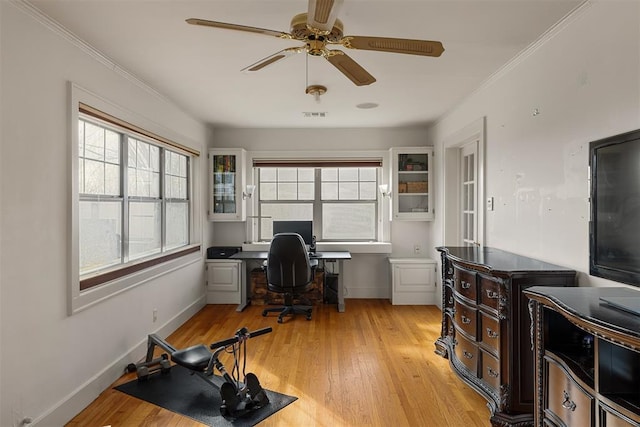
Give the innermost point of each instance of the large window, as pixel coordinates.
(133, 199)
(342, 202)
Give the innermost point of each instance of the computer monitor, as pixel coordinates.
(303, 228)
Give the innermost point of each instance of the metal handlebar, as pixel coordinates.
(241, 335)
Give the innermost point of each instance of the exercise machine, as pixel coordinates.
(238, 398)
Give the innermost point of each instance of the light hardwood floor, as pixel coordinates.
(373, 365)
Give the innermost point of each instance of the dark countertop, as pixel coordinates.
(498, 260)
(585, 303)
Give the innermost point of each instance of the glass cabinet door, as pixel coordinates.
(226, 202)
(224, 188)
(411, 170)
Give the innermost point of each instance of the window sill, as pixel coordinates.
(81, 300)
(353, 247)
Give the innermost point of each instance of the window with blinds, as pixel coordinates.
(339, 196)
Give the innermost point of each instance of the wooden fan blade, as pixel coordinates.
(226, 26)
(265, 62)
(351, 69)
(322, 14)
(387, 44)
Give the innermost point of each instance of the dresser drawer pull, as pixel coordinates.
(465, 319)
(491, 333)
(467, 354)
(493, 295)
(465, 285)
(568, 403)
(491, 372)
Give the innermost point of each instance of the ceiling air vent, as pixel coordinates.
(314, 113)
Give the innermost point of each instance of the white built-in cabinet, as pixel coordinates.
(226, 184)
(413, 281)
(411, 183)
(225, 277)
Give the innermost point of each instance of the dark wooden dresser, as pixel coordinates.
(587, 357)
(486, 326)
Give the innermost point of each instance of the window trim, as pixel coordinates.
(360, 158)
(125, 276)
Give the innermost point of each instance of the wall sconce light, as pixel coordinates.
(248, 192)
(384, 190)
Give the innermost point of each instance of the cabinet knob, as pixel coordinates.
(465, 319)
(568, 403)
(467, 354)
(493, 295)
(465, 285)
(491, 333)
(491, 372)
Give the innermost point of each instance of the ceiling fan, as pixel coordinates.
(319, 28)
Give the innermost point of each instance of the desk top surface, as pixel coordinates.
(325, 255)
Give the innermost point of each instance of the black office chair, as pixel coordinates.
(289, 272)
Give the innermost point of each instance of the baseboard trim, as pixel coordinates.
(368, 293)
(72, 404)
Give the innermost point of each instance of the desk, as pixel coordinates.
(320, 256)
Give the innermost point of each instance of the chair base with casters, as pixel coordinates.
(289, 309)
(289, 272)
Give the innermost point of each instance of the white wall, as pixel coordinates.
(52, 365)
(585, 81)
(366, 275)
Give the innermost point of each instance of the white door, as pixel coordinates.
(463, 163)
(469, 194)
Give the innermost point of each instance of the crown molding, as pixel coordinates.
(60, 30)
(524, 54)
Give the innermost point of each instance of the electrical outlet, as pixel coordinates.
(155, 315)
(417, 249)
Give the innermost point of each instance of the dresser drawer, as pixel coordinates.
(467, 353)
(610, 418)
(490, 332)
(490, 370)
(565, 399)
(466, 318)
(465, 283)
(489, 292)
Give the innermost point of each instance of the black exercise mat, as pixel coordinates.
(186, 394)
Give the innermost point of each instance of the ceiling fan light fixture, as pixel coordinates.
(316, 91)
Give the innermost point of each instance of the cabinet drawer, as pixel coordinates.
(467, 352)
(489, 292)
(565, 398)
(465, 283)
(609, 418)
(490, 371)
(466, 318)
(490, 332)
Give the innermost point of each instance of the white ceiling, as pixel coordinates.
(198, 68)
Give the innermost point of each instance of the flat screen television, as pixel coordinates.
(303, 228)
(614, 235)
